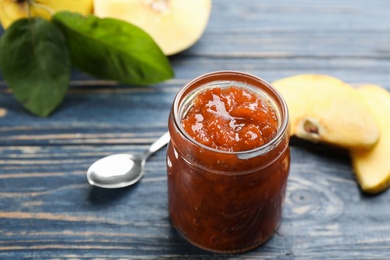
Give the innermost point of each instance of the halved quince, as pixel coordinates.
(12, 10)
(325, 109)
(372, 167)
(175, 25)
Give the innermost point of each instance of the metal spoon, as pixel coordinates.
(121, 170)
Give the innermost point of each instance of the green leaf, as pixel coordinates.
(113, 49)
(35, 64)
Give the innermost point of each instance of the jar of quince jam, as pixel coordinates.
(228, 161)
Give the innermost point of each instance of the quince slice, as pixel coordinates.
(325, 109)
(12, 10)
(372, 167)
(175, 25)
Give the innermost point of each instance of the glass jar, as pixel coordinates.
(226, 201)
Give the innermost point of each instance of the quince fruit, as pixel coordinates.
(325, 109)
(372, 167)
(12, 10)
(175, 25)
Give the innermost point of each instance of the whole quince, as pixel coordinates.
(12, 10)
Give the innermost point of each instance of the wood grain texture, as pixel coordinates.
(49, 211)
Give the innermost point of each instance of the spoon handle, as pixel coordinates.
(163, 140)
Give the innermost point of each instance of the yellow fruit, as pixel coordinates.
(325, 109)
(372, 167)
(175, 25)
(12, 10)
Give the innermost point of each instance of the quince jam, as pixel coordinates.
(227, 161)
(231, 119)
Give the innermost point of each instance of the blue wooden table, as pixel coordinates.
(48, 210)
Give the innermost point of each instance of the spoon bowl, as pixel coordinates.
(122, 170)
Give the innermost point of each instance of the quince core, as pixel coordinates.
(175, 25)
(327, 110)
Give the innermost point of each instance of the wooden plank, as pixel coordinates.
(48, 210)
(124, 109)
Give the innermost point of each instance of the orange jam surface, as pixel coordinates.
(231, 119)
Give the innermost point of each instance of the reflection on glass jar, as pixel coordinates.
(224, 196)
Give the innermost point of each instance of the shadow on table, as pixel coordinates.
(180, 247)
(100, 196)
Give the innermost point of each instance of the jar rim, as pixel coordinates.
(246, 154)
